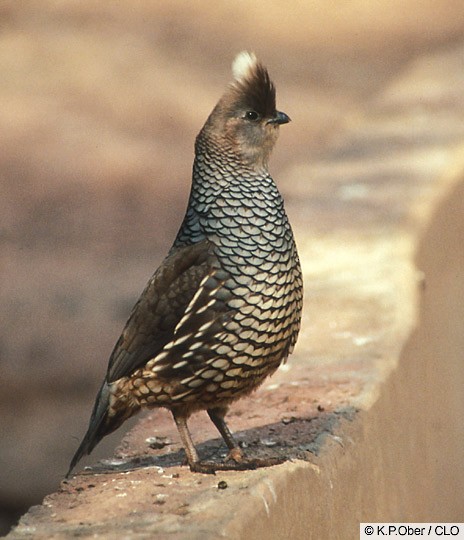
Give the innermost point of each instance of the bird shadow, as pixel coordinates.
(292, 438)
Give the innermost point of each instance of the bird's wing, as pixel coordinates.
(168, 313)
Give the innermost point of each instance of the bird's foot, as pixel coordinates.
(232, 464)
(241, 462)
(254, 463)
(236, 454)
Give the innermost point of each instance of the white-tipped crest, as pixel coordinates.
(243, 64)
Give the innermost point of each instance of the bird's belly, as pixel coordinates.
(258, 334)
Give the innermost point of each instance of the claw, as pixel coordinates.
(235, 454)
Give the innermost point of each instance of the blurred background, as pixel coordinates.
(100, 103)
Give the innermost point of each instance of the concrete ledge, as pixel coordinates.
(370, 408)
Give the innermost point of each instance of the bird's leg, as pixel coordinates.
(236, 453)
(190, 450)
(217, 417)
(192, 456)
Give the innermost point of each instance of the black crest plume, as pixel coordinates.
(252, 87)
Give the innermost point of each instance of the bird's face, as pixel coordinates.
(253, 133)
(245, 120)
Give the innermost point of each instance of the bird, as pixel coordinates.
(223, 310)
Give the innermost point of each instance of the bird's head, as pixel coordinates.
(245, 118)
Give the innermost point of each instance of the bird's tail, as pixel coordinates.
(101, 424)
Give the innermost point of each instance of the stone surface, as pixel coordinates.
(93, 102)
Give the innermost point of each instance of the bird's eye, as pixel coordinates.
(251, 115)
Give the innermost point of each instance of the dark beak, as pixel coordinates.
(279, 118)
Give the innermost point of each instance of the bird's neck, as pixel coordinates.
(218, 168)
(224, 188)
(223, 152)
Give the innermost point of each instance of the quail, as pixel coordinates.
(223, 310)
